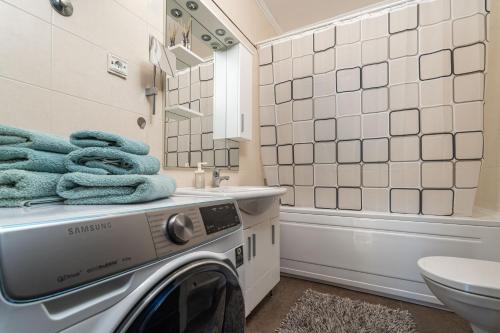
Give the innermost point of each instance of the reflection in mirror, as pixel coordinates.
(190, 141)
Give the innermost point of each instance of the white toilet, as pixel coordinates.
(469, 287)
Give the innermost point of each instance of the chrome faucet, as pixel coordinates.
(217, 178)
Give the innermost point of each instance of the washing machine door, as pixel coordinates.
(202, 297)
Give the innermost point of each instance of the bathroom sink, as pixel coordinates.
(236, 192)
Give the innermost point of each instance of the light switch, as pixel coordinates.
(117, 66)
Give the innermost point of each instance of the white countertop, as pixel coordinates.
(235, 192)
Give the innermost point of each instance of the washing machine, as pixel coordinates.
(174, 265)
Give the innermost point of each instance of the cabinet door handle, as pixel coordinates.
(254, 245)
(242, 123)
(249, 242)
(272, 234)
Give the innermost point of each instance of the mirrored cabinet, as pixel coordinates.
(209, 99)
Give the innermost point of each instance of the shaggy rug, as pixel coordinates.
(315, 312)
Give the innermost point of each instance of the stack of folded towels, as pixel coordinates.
(93, 168)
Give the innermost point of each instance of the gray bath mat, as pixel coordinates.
(323, 313)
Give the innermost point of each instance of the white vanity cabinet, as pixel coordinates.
(262, 254)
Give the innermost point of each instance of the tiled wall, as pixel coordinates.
(191, 141)
(53, 69)
(383, 112)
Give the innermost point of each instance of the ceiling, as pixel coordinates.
(287, 15)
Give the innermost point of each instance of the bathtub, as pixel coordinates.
(378, 252)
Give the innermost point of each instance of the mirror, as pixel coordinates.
(193, 34)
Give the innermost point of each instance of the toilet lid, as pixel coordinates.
(469, 275)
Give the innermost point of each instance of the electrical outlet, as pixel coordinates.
(117, 66)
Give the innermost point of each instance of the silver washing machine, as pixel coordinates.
(173, 265)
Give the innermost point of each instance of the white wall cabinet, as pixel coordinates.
(262, 257)
(233, 82)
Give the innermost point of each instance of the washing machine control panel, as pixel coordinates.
(46, 259)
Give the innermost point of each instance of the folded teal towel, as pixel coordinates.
(31, 160)
(11, 136)
(109, 161)
(102, 139)
(26, 188)
(87, 189)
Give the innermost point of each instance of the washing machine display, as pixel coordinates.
(220, 217)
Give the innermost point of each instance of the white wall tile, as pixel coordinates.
(206, 72)
(207, 141)
(285, 155)
(282, 50)
(173, 97)
(207, 88)
(348, 56)
(405, 175)
(38, 8)
(303, 131)
(375, 125)
(469, 59)
(325, 175)
(436, 92)
(375, 50)
(435, 37)
(289, 197)
(302, 66)
(303, 88)
(283, 92)
(348, 32)
(349, 151)
(302, 109)
(376, 150)
(349, 198)
(304, 196)
(269, 155)
(468, 117)
(376, 199)
(324, 61)
(348, 103)
(405, 148)
(207, 105)
(403, 70)
(375, 100)
(467, 174)
(349, 79)
(325, 130)
(184, 95)
(302, 46)
(267, 135)
(376, 175)
(469, 30)
(282, 70)
(437, 175)
(375, 76)
(283, 113)
(325, 198)
(404, 96)
(405, 201)
(324, 84)
(324, 38)
(324, 107)
(437, 202)
(375, 26)
(405, 122)
(403, 44)
(435, 65)
(469, 146)
(468, 88)
(325, 152)
(195, 142)
(349, 128)
(266, 75)
(404, 18)
(437, 119)
(434, 11)
(284, 134)
(32, 37)
(303, 153)
(195, 158)
(437, 147)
